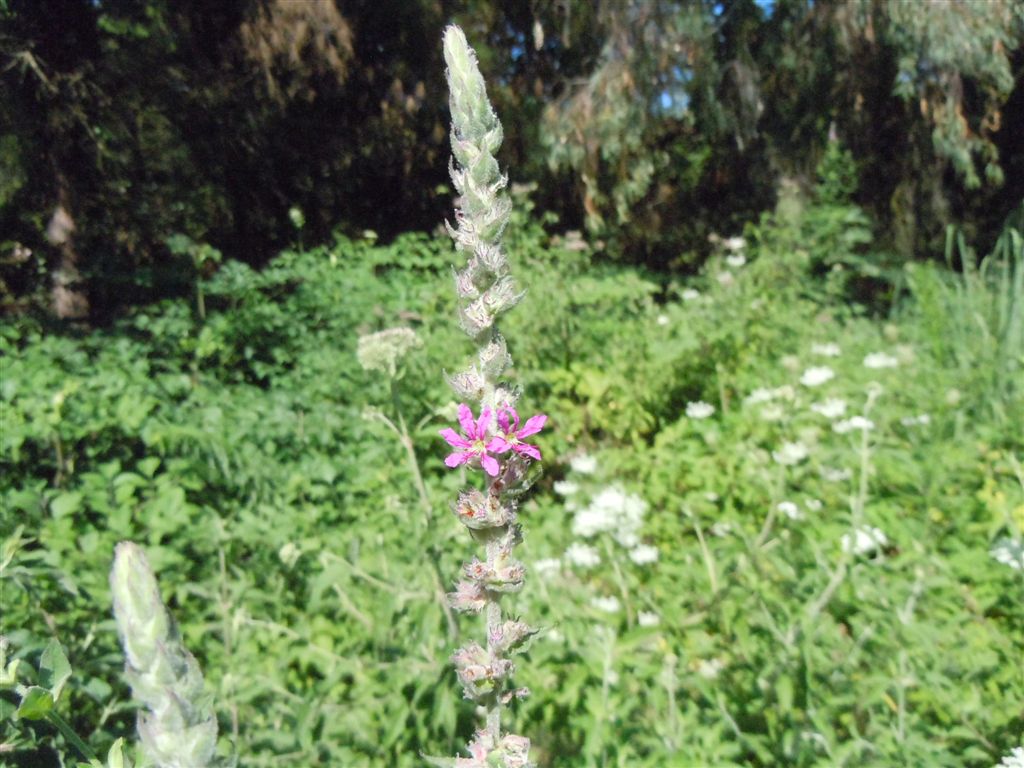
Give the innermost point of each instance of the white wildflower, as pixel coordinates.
(648, 619)
(709, 669)
(547, 566)
(711, 496)
(736, 260)
(759, 395)
(1013, 760)
(880, 360)
(790, 510)
(662, 320)
(835, 475)
(734, 244)
(816, 376)
(644, 554)
(863, 541)
(721, 528)
(699, 410)
(1009, 552)
(289, 553)
(773, 412)
(826, 350)
(381, 351)
(554, 635)
(790, 454)
(607, 604)
(921, 420)
(813, 505)
(831, 408)
(584, 464)
(689, 294)
(725, 279)
(612, 511)
(855, 422)
(565, 487)
(582, 555)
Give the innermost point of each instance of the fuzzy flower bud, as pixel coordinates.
(504, 575)
(479, 511)
(480, 671)
(180, 729)
(468, 385)
(510, 636)
(468, 597)
(494, 357)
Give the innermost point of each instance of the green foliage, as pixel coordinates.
(246, 452)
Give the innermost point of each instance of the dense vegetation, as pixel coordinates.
(773, 254)
(829, 584)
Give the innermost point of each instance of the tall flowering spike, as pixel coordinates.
(180, 729)
(494, 440)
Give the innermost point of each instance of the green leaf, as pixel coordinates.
(115, 757)
(784, 690)
(66, 504)
(36, 704)
(54, 669)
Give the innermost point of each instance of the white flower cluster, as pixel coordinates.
(1009, 552)
(878, 360)
(816, 376)
(828, 349)
(699, 410)
(863, 541)
(831, 408)
(381, 351)
(584, 464)
(582, 555)
(790, 454)
(921, 420)
(790, 510)
(855, 422)
(612, 511)
(764, 395)
(1013, 760)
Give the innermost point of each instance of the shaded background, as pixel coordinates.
(648, 123)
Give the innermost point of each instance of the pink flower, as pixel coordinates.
(511, 435)
(474, 445)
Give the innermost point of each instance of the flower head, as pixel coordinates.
(880, 360)
(1013, 760)
(816, 376)
(511, 435)
(863, 541)
(790, 454)
(699, 410)
(1009, 552)
(474, 445)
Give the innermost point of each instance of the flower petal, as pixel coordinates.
(455, 459)
(490, 465)
(533, 425)
(503, 420)
(482, 424)
(466, 419)
(527, 450)
(498, 445)
(454, 439)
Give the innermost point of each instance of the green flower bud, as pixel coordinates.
(180, 729)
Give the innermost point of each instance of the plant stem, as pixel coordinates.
(68, 732)
(494, 630)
